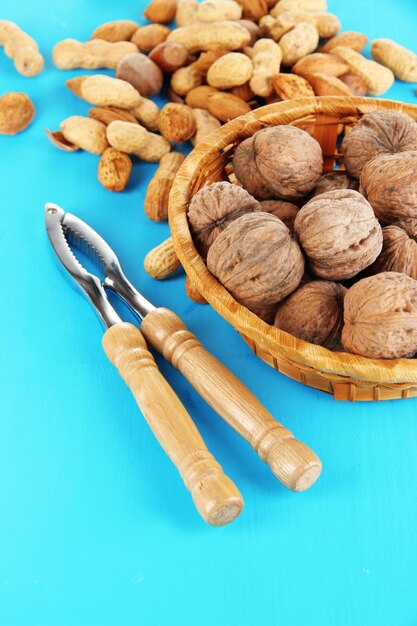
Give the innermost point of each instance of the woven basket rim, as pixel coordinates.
(270, 338)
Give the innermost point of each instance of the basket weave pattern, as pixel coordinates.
(346, 376)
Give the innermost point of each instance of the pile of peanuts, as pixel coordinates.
(223, 59)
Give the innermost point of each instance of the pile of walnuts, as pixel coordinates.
(331, 259)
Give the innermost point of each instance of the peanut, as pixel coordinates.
(71, 54)
(114, 169)
(149, 36)
(253, 9)
(169, 56)
(162, 261)
(231, 70)
(308, 6)
(141, 72)
(206, 59)
(266, 62)
(157, 193)
(298, 42)
(177, 122)
(216, 10)
(192, 292)
(327, 85)
(212, 35)
(135, 139)
(16, 113)
(349, 39)
(174, 97)
(276, 27)
(102, 90)
(106, 115)
(146, 112)
(86, 133)
(289, 86)
(327, 24)
(185, 79)
(377, 77)
(400, 60)
(244, 92)
(22, 48)
(186, 12)
(319, 62)
(206, 123)
(355, 83)
(161, 11)
(57, 139)
(252, 28)
(197, 97)
(118, 30)
(226, 106)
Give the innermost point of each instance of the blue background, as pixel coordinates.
(95, 525)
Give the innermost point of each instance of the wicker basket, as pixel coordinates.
(346, 376)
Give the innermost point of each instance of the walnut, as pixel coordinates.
(399, 249)
(213, 208)
(314, 312)
(380, 314)
(265, 312)
(389, 182)
(379, 132)
(285, 211)
(335, 180)
(283, 161)
(339, 234)
(257, 260)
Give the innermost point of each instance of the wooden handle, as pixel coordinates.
(216, 497)
(292, 462)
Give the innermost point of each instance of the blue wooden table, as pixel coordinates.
(95, 525)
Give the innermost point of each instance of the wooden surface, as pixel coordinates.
(310, 364)
(292, 462)
(216, 497)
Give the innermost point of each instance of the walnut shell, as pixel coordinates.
(283, 161)
(380, 314)
(339, 234)
(314, 312)
(399, 250)
(213, 208)
(379, 132)
(257, 260)
(389, 182)
(265, 312)
(285, 211)
(335, 180)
